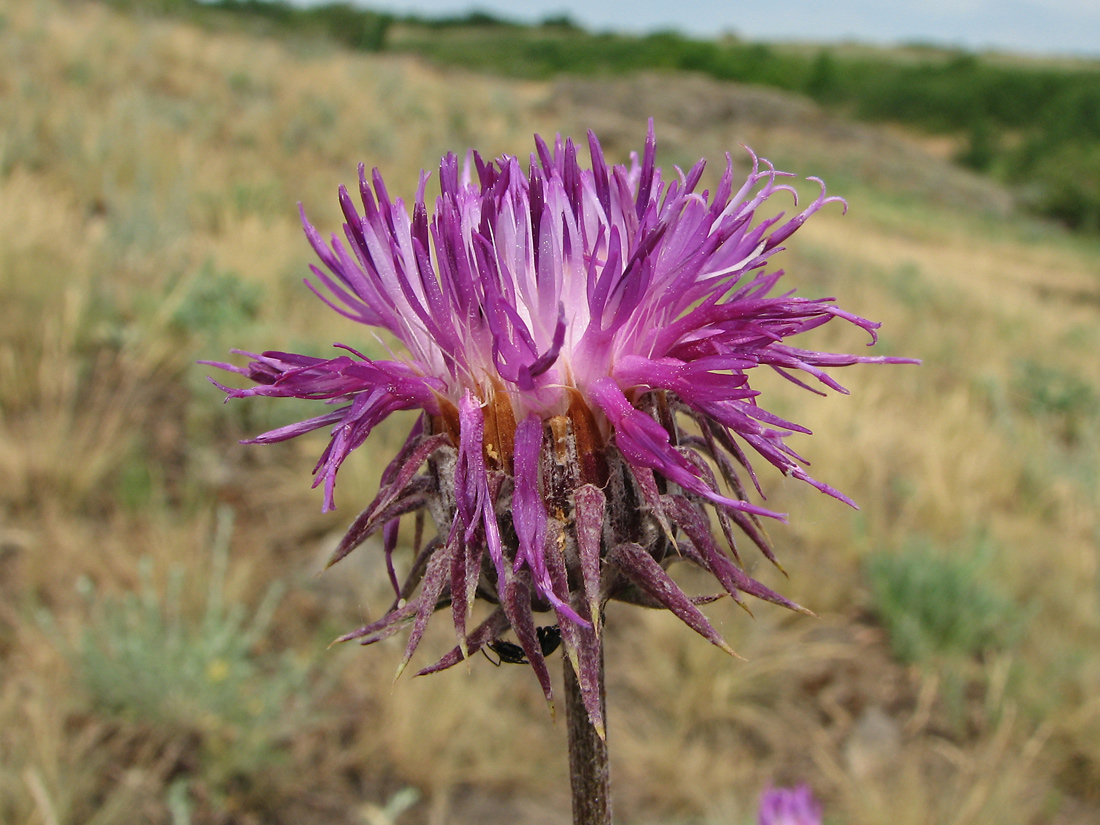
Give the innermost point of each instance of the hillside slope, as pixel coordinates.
(149, 176)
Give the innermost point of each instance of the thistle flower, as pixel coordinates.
(789, 806)
(579, 343)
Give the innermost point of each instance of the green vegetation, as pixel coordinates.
(947, 612)
(217, 301)
(145, 658)
(1066, 402)
(341, 22)
(939, 604)
(1032, 125)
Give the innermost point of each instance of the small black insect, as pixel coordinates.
(512, 654)
(506, 652)
(549, 638)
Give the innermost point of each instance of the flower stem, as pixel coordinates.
(589, 767)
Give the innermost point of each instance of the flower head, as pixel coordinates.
(789, 806)
(579, 342)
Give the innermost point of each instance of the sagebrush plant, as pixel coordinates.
(937, 603)
(1064, 399)
(144, 657)
(580, 344)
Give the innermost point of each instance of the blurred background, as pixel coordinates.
(163, 619)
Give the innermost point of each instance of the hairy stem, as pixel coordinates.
(589, 768)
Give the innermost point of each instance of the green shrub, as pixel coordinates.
(1063, 182)
(217, 301)
(145, 659)
(1061, 400)
(940, 605)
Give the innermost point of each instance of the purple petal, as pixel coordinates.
(397, 487)
(789, 806)
(638, 566)
(434, 580)
(487, 631)
(695, 524)
(643, 442)
(590, 507)
(516, 602)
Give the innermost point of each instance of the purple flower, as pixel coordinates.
(789, 806)
(579, 343)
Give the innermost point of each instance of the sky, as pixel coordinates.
(1057, 27)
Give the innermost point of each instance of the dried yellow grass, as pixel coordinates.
(135, 151)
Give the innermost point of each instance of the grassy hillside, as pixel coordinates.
(1032, 123)
(163, 625)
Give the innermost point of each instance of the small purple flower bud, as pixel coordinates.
(789, 806)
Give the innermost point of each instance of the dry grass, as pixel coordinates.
(148, 179)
